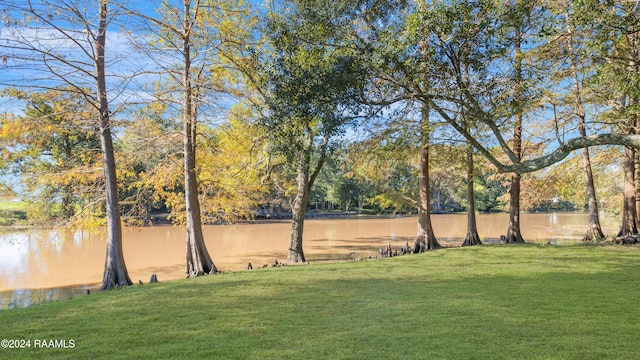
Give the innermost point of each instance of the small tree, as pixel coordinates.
(55, 149)
(312, 80)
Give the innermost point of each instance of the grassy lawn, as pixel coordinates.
(490, 302)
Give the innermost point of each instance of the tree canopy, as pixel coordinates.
(223, 111)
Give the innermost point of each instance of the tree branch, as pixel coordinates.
(564, 150)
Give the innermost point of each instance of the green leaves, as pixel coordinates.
(312, 78)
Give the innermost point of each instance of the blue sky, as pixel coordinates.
(122, 59)
(26, 70)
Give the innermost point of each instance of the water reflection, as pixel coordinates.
(59, 261)
(28, 297)
(14, 254)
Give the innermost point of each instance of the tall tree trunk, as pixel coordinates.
(594, 230)
(472, 237)
(307, 175)
(629, 213)
(426, 239)
(637, 182)
(198, 261)
(513, 232)
(299, 209)
(629, 227)
(115, 271)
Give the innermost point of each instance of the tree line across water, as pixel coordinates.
(218, 110)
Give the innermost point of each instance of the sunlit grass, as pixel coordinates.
(13, 205)
(12, 212)
(490, 302)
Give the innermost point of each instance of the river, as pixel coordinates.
(42, 266)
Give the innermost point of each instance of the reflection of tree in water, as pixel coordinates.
(14, 252)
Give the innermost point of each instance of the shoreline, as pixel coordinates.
(73, 291)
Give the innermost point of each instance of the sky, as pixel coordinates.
(123, 60)
(26, 70)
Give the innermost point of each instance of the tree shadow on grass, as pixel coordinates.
(555, 314)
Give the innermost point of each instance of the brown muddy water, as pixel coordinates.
(43, 266)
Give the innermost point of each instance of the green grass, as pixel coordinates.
(12, 212)
(13, 205)
(489, 302)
